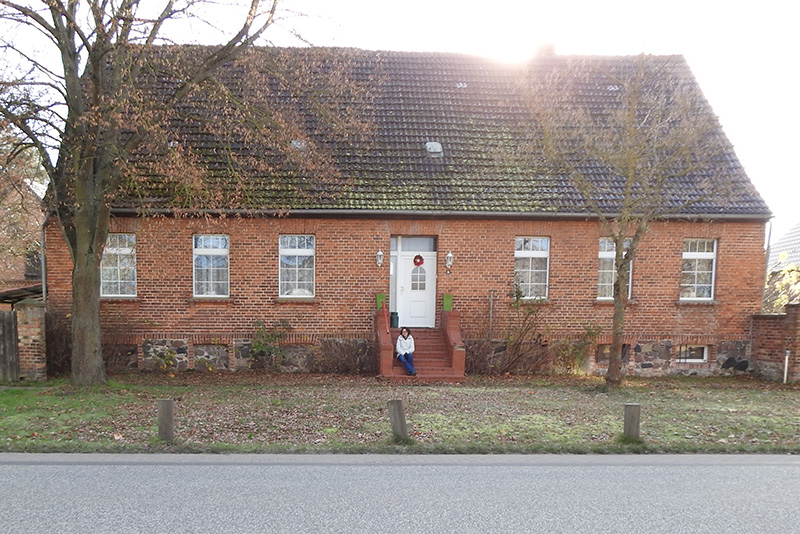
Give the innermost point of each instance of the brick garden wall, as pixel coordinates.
(347, 279)
(773, 335)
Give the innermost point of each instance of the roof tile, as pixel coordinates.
(470, 105)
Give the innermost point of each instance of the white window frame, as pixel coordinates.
(419, 279)
(211, 246)
(112, 254)
(694, 250)
(290, 245)
(687, 349)
(606, 252)
(532, 247)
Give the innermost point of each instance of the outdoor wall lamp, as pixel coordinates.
(448, 260)
(379, 258)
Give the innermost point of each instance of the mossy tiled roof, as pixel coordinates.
(471, 106)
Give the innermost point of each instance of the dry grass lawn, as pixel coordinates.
(259, 412)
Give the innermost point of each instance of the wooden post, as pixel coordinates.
(632, 412)
(166, 416)
(9, 347)
(398, 419)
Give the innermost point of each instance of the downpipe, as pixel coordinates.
(786, 366)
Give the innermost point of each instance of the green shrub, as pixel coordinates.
(164, 360)
(266, 345)
(571, 356)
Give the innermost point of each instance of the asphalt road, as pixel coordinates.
(44, 493)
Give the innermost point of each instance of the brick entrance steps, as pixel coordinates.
(431, 359)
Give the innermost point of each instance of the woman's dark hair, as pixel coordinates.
(407, 329)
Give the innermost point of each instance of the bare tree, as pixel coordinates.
(637, 142)
(100, 110)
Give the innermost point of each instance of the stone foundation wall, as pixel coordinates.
(182, 354)
(652, 358)
(764, 354)
(212, 358)
(165, 354)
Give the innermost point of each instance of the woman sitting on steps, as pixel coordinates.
(405, 351)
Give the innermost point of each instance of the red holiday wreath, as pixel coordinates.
(418, 260)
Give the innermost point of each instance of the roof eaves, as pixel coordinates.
(372, 213)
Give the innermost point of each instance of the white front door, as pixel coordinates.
(416, 289)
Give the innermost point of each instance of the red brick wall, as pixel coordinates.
(347, 278)
(773, 335)
(485, 261)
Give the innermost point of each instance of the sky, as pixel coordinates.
(744, 54)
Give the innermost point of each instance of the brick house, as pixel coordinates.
(430, 217)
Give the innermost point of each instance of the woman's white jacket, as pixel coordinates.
(405, 345)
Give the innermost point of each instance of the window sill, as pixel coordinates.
(120, 298)
(705, 302)
(296, 300)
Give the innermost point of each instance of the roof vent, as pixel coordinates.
(434, 149)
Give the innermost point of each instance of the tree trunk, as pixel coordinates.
(614, 374)
(89, 237)
(87, 353)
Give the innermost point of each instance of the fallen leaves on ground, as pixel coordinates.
(326, 412)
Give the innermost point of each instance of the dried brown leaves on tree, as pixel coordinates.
(255, 138)
(20, 205)
(119, 118)
(637, 140)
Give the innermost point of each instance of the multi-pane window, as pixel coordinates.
(697, 273)
(118, 267)
(211, 267)
(692, 353)
(296, 276)
(531, 261)
(607, 273)
(418, 279)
